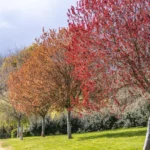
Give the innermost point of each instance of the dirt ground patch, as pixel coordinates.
(1, 148)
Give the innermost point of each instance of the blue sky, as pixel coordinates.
(21, 21)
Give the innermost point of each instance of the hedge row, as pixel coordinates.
(93, 122)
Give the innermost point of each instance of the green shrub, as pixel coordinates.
(93, 122)
(14, 133)
(5, 132)
(55, 126)
(51, 126)
(27, 133)
(109, 121)
(62, 124)
(35, 129)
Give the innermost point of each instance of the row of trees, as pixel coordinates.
(44, 82)
(105, 48)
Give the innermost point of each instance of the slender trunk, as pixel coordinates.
(69, 124)
(43, 126)
(18, 128)
(21, 133)
(147, 140)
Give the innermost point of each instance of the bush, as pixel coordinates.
(62, 124)
(109, 121)
(27, 133)
(55, 126)
(35, 129)
(136, 118)
(4, 133)
(51, 126)
(76, 124)
(14, 133)
(93, 122)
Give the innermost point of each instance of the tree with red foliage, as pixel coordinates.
(112, 37)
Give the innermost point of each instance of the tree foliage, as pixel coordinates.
(45, 80)
(113, 38)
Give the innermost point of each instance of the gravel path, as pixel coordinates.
(1, 146)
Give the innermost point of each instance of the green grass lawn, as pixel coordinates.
(121, 139)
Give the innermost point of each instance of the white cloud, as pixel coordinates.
(6, 25)
(28, 8)
(22, 20)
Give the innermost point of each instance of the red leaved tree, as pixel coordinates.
(114, 35)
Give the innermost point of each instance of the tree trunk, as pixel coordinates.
(18, 128)
(21, 133)
(43, 126)
(69, 124)
(147, 140)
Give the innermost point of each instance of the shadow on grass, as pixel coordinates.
(115, 135)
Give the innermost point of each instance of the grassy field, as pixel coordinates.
(121, 139)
